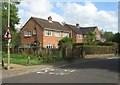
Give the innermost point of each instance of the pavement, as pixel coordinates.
(16, 69)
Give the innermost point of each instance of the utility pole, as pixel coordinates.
(9, 40)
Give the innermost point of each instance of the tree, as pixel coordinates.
(108, 35)
(65, 42)
(91, 37)
(14, 19)
(116, 38)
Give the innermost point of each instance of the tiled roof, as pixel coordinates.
(51, 26)
(86, 30)
(77, 30)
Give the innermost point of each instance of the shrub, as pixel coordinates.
(98, 49)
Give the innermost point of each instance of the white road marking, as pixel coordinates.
(40, 72)
(52, 71)
(113, 58)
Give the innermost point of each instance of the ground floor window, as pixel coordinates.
(28, 45)
(49, 46)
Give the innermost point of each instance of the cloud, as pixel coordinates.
(36, 8)
(86, 14)
(89, 15)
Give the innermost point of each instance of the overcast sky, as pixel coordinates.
(101, 14)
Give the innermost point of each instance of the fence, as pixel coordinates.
(79, 52)
(73, 53)
(35, 51)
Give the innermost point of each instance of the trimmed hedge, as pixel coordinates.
(99, 49)
(96, 44)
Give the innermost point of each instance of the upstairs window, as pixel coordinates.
(34, 32)
(27, 33)
(57, 34)
(48, 33)
(65, 34)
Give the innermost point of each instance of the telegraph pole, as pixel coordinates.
(9, 40)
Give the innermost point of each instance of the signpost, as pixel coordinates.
(8, 35)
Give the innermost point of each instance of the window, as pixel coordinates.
(48, 33)
(79, 36)
(27, 33)
(57, 34)
(34, 32)
(49, 46)
(98, 37)
(65, 34)
(85, 36)
(27, 45)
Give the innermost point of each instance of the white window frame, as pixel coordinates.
(27, 45)
(34, 32)
(26, 34)
(59, 34)
(49, 46)
(80, 36)
(65, 34)
(47, 34)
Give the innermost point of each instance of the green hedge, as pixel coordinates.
(96, 44)
(99, 49)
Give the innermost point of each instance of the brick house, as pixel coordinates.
(79, 33)
(45, 33)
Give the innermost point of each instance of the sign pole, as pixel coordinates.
(8, 65)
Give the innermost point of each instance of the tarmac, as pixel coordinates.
(21, 69)
(16, 69)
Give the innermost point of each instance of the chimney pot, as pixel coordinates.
(77, 25)
(50, 19)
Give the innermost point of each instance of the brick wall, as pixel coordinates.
(30, 26)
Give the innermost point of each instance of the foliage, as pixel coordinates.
(65, 42)
(96, 44)
(90, 38)
(116, 38)
(108, 35)
(15, 39)
(23, 59)
(98, 49)
(14, 19)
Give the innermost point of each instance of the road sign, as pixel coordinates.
(8, 33)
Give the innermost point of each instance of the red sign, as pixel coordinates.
(8, 33)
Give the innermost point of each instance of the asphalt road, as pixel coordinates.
(88, 71)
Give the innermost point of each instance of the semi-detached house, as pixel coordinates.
(47, 33)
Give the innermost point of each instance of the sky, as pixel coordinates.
(87, 13)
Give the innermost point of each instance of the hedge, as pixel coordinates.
(99, 49)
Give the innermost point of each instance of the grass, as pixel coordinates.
(22, 59)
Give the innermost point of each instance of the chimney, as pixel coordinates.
(50, 19)
(77, 25)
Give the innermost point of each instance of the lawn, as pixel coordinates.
(29, 59)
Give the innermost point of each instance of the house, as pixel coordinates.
(75, 32)
(79, 33)
(45, 33)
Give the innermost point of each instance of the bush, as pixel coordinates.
(98, 49)
(96, 44)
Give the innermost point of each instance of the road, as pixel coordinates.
(88, 71)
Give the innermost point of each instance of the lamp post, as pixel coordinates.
(9, 40)
(8, 64)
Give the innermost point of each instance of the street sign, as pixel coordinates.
(8, 33)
